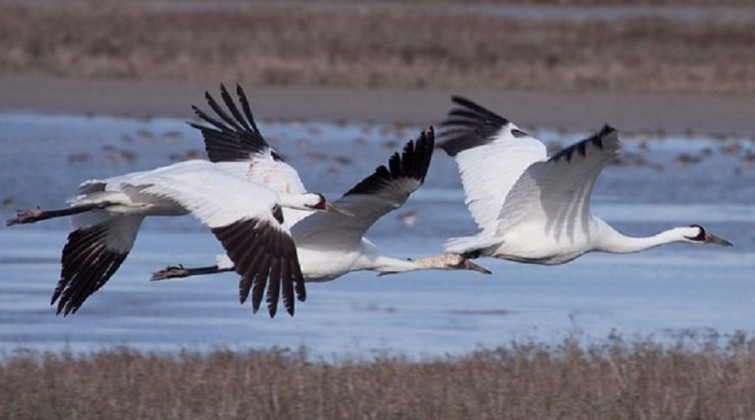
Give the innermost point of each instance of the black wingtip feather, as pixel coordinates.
(233, 135)
(240, 122)
(607, 136)
(413, 162)
(260, 282)
(87, 265)
(246, 107)
(477, 111)
(259, 250)
(468, 125)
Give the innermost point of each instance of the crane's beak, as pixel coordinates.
(469, 265)
(333, 209)
(712, 239)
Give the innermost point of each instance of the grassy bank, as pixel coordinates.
(618, 380)
(298, 45)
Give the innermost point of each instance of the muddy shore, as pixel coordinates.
(627, 111)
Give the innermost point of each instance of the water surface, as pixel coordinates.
(663, 293)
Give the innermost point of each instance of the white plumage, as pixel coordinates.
(329, 245)
(245, 217)
(530, 207)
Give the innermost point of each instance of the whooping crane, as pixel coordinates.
(333, 245)
(245, 217)
(530, 207)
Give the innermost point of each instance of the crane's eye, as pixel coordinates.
(321, 204)
(518, 133)
(700, 237)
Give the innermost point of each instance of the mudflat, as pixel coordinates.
(671, 112)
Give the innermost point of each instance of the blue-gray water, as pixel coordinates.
(664, 293)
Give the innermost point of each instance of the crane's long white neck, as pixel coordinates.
(388, 265)
(615, 242)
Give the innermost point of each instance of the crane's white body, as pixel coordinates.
(328, 263)
(530, 209)
(194, 186)
(320, 264)
(528, 206)
(329, 245)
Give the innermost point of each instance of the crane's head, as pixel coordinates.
(316, 201)
(453, 261)
(697, 234)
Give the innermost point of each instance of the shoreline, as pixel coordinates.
(698, 113)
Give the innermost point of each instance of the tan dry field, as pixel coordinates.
(304, 46)
(529, 381)
(97, 57)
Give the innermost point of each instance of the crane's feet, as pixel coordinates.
(25, 216)
(171, 272)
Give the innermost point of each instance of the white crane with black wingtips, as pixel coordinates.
(330, 246)
(531, 207)
(245, 217)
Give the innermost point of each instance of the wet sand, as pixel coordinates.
(626, 111)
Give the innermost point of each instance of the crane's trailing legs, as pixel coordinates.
(179, 271)
(35, 215)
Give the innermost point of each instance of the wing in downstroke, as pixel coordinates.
(386, 189)
(558, 190)
(92, 254)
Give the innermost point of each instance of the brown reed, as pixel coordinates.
(618, 380)
(291, 44)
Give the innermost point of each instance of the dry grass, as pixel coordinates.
(616, 381)
(297, 45)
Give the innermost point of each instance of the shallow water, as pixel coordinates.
(663, 293)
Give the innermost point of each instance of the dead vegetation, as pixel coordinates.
(618, 380)
(295, 45)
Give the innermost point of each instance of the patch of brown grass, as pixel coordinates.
(297, 45)
(617, 381)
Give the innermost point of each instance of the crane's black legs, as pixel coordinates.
(179, 271)
(35, 215)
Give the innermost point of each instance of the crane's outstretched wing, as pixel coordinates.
(491, 152)
(235, 137)
(96, 247)
(233, 140)
(559, 189)
(386, 189)
(245, 217)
